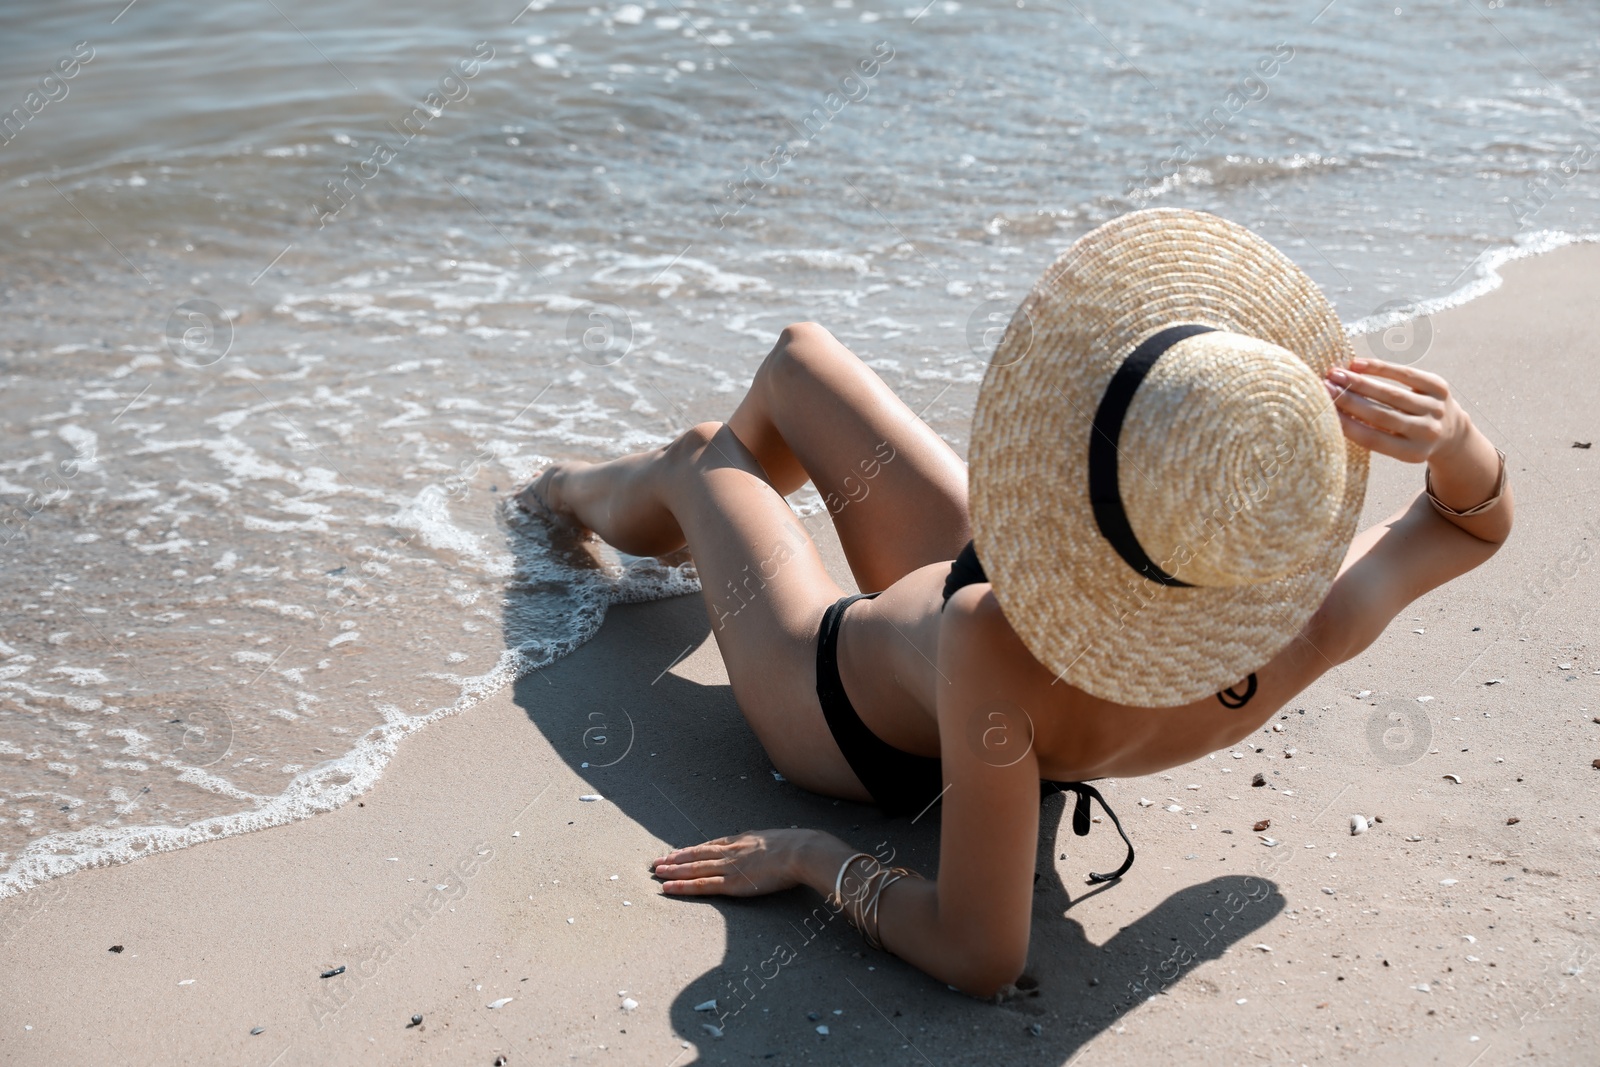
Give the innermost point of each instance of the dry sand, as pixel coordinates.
(1446, 934)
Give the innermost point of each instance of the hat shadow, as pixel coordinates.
(677, 757)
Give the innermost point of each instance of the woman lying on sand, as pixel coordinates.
(1168, 461)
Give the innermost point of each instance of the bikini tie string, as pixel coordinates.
(1081, 820)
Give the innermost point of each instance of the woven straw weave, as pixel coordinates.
(1232, 468)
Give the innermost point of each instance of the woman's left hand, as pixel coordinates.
(1397, 410)
(744, 865)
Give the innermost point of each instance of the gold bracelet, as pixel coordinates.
(888, 878)
(1445, 509)
(838, 883)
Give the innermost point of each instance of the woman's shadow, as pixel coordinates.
(676, 756)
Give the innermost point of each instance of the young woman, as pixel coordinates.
(1235, 444)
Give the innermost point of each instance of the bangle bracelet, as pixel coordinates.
(1445, 509)
(838, 882)
(874, 937)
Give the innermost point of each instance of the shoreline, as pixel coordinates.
(501, 882)
(365, 764)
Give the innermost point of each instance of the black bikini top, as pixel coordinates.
(966, 570)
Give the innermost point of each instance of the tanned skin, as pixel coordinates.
(928, 681)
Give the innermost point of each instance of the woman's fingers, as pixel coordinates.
(1380, 416)
(1422, 381)
(1376, 440)
(708, 850)
(701, 868)
(696, 887)
(1402, 398)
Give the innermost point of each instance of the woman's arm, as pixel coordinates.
(968, 927)
(1410, 415)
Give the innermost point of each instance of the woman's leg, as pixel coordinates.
(896, 492)
(762, 580)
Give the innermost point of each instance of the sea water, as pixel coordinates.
(296, 294)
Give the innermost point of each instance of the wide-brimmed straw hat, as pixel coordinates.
(1160, 492)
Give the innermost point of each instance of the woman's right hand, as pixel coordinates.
(750, 864)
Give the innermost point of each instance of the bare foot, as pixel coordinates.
(542, 496)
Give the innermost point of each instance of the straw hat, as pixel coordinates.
(1160, 492)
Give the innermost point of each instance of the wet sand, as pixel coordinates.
(1459, 930)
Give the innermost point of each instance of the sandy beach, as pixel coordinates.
(477, 888)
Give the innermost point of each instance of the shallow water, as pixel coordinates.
(257, 430)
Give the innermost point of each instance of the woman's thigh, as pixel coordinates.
(896, 492)
(765, 589)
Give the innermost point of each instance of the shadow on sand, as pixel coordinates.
(677, 758)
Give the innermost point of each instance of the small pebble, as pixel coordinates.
(1270, 842)
(1363, 694)
(501, 1060)
(1423, 700)
(332, 973)
(709, 1005)
(1453, 777)
(1174, 807)
(114, 948)
(813, 1016)
(254, 1030)
(1358, 825)
(591, 797)
(714, 1031)
(1262, 825)
(416, 1020)
(628, 1003)
(1264, 948)
(1447, 881)
(1144, 802)
(1328, 890)
(503, 1001)
(1512, 821)
(823, 1030)
(1035, 1029)
(1261, 779)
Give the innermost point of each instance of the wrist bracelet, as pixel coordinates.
(838, 882)
(1445, 509)
(873, 937)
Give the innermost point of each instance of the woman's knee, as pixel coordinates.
(803, 353)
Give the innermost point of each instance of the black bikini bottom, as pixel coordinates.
(902, 783)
